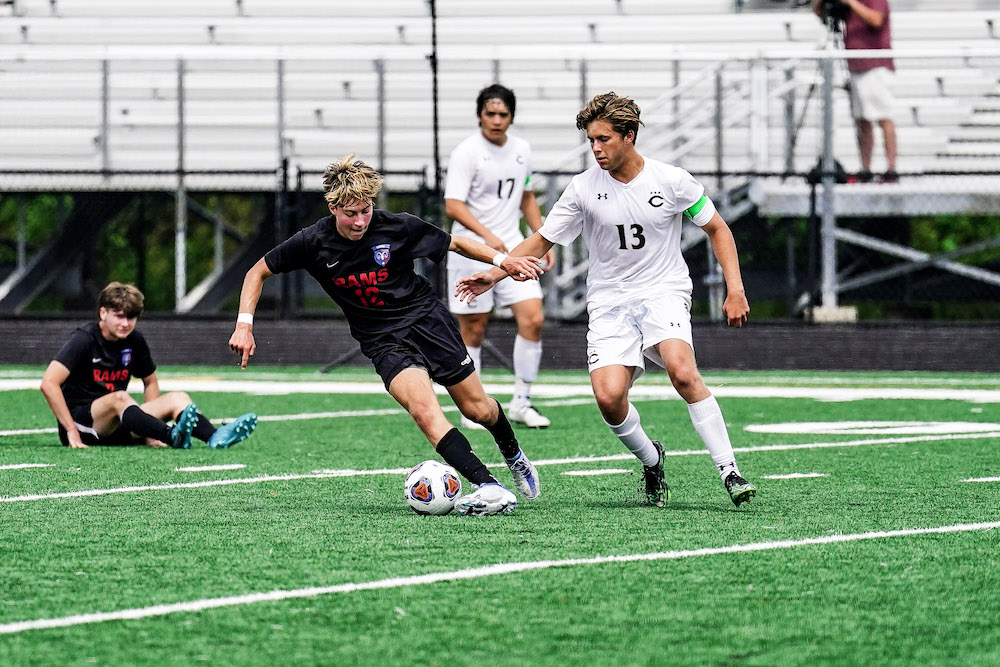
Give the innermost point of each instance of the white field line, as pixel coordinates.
(321, 474)
(795, 475)
(226, 466)
(592, 473)
(467, 574)
(19, 466)
(561, 390)
(982, 479)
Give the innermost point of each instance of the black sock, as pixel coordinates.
(504, 434)
(145, 425)
(203, 430)
(455, 449)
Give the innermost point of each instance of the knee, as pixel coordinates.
(685, 379)
(482, 412)
(530, 326)
(424, 415)
(122, 400)
(612, 404)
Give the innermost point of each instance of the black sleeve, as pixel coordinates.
(142, 359)
(428, 241)
(73, 350)
(290, 255)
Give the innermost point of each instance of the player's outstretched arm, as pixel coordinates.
(52, 381)
(736, 307)
(522, 267)
(242, 341)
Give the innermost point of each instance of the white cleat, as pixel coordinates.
(486, 500)
(470, 425)
(525, 477)
(528, 416)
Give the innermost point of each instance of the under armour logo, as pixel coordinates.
(602, 195)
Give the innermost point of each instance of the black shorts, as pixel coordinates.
(85, 425)
(433, 343)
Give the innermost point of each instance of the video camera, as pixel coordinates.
(834, 12)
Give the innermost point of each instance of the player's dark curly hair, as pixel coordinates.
(621, 112)
(350, 181)
(496, 92)
(121, 297)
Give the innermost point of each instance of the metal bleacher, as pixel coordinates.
(103, 85)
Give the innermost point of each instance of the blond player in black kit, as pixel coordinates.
(363, 258)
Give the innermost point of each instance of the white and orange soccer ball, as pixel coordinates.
(432, 487)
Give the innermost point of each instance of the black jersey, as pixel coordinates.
(372, 280)
(98, 366)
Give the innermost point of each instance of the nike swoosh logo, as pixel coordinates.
(96, 360)
(330, 266)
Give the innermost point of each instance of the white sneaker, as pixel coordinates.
(471, 425)
(528, 416)
(525, 476)
(487, 499)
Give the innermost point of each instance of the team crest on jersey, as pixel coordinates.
(381, 252)
(126, 356)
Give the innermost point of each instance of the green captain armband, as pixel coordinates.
(701, 211)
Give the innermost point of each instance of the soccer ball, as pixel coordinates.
(432, 488)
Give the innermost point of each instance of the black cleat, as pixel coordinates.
(739, 489)
(657, 491)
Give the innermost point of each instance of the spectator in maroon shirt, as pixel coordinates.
(867, 26)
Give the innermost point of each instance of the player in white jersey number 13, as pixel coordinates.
(629, 209)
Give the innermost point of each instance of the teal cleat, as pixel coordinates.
(228, 435)
(739, 489)
(180, 434)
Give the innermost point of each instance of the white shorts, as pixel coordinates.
(624, 335)
(504, 293)
(871, 95)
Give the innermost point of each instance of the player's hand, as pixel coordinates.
(242, 343)
(736, 308)
(77, 444)
(494, 241)
(549, 261)
(467, 289)
(153, 442)
(523, 268)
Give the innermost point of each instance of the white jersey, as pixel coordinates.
(632, 230)
(491, 180)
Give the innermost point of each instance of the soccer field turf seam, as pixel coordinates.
(328, 473)
(471, 573)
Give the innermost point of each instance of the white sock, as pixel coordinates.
(527, 359)
(711, 427)
(477, 357)
(634, 438)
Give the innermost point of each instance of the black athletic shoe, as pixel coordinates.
(657, 491)
(739, 489)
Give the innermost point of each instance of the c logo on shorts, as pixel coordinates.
(592, 358)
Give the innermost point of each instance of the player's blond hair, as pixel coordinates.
(121, 297)
(349, 181)
(621, 112)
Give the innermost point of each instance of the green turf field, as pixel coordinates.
(867, 543)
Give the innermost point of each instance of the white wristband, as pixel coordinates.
(244, 318)
(499, 258)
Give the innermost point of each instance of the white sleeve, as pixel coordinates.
(690, 198)
(565, 220)
(461, 171)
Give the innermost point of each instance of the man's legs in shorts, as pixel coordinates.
(147, 421)
(866, 143)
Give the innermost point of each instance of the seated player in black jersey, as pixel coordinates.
(363, 258)
(86, 387)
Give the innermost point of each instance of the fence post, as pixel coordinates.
(180, 230)
(829, 220)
